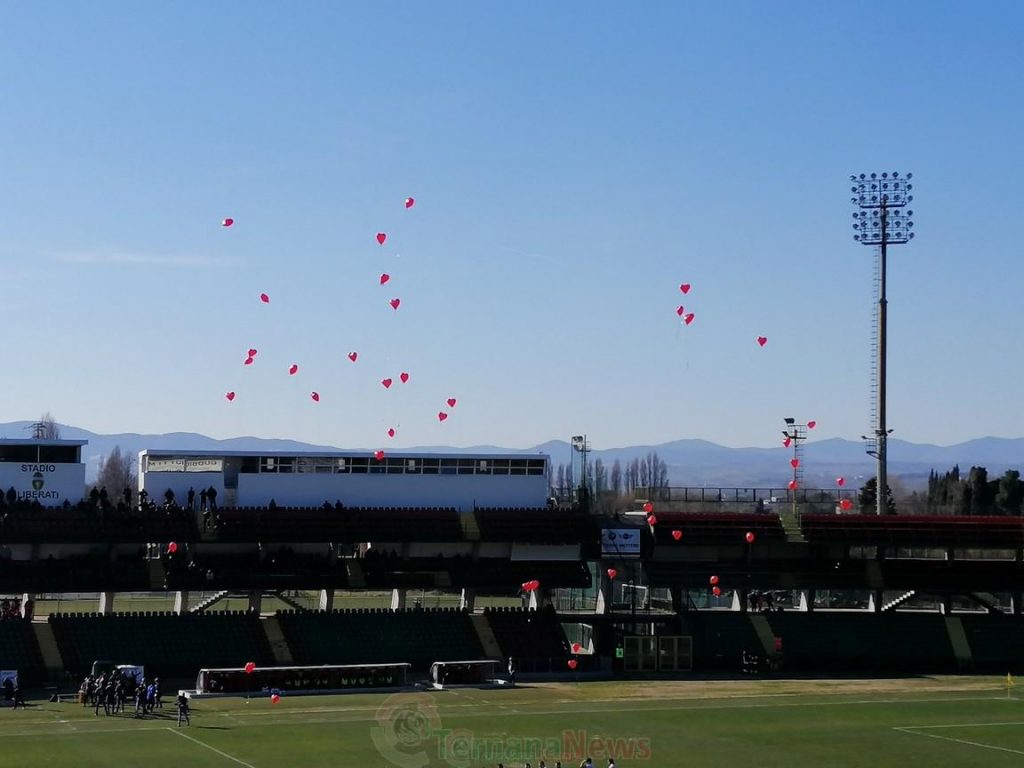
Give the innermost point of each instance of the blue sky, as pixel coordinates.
(572, 164)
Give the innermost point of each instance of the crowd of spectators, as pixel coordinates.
(11, 609)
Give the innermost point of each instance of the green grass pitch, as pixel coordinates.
(936, 722)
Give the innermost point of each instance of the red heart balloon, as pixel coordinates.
(794, 463)
(395, 302)
(227, 222)
(846, 504)
(688, 319)
(750, 537)
(315, 396)
(792, 485)
(252, 352)
(812, 424)
(713, 580)
(409, 202)
(677, 535)
(576, 647)
(250, 667)
(293, 370)
(685, 287)
(572, 663)
(352, 356)
(451, 402)
(275, 698)
(378, 455)
(391, 432)
(172, 547)
(787, 442)
(716, 591)
(403, 376)
(612, 573)
(762, 340)
(652, 520)
(840, 481)
(648, 507)
(386, 383)
(384, 277)
(249, 360)
(264, 298)
(230, 396)
(680, 310)
(441, 415)
(381, 237)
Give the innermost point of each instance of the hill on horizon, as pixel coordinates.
(691, 462)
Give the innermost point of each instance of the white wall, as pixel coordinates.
(49, 484)
(384, 490)
(157, 483)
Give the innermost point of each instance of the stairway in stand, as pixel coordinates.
(278, 643)
(791, 525)
(49, 649)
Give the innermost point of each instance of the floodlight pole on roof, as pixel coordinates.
(579, 443)
(880, 220)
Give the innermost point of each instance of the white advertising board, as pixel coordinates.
(620, 542)
(49, 484)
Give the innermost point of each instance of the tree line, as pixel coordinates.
(616, 486)
(953, 493)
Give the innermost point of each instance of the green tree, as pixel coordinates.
(868, 497)
(981, 497)
(1010, 495)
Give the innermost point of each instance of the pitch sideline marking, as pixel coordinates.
(961, 741)
(214, 749)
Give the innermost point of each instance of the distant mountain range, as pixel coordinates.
(690, 462)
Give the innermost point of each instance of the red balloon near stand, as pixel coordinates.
(381, 237)
(250, 667)
(172, 547)
(677, 535)
(716, 591)
(750, 537)
(572, 663)
(648, 507)
(713, 580)
(275, 698)
(612, 573)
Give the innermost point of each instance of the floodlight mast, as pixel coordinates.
(880, 221)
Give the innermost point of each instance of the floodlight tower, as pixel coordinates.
(881, 221)
(581, 446)
(795, 434)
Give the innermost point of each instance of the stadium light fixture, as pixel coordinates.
(880, 221)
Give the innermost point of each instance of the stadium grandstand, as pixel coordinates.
(338, 562)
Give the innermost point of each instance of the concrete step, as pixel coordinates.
(486, 635)
(278, 643)
(52, 659)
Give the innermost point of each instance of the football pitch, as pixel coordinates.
(932, 721)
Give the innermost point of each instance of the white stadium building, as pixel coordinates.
(356, 479)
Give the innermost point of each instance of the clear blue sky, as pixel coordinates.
(572, 164)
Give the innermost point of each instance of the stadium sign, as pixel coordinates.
(620, 542)
(49, 484)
